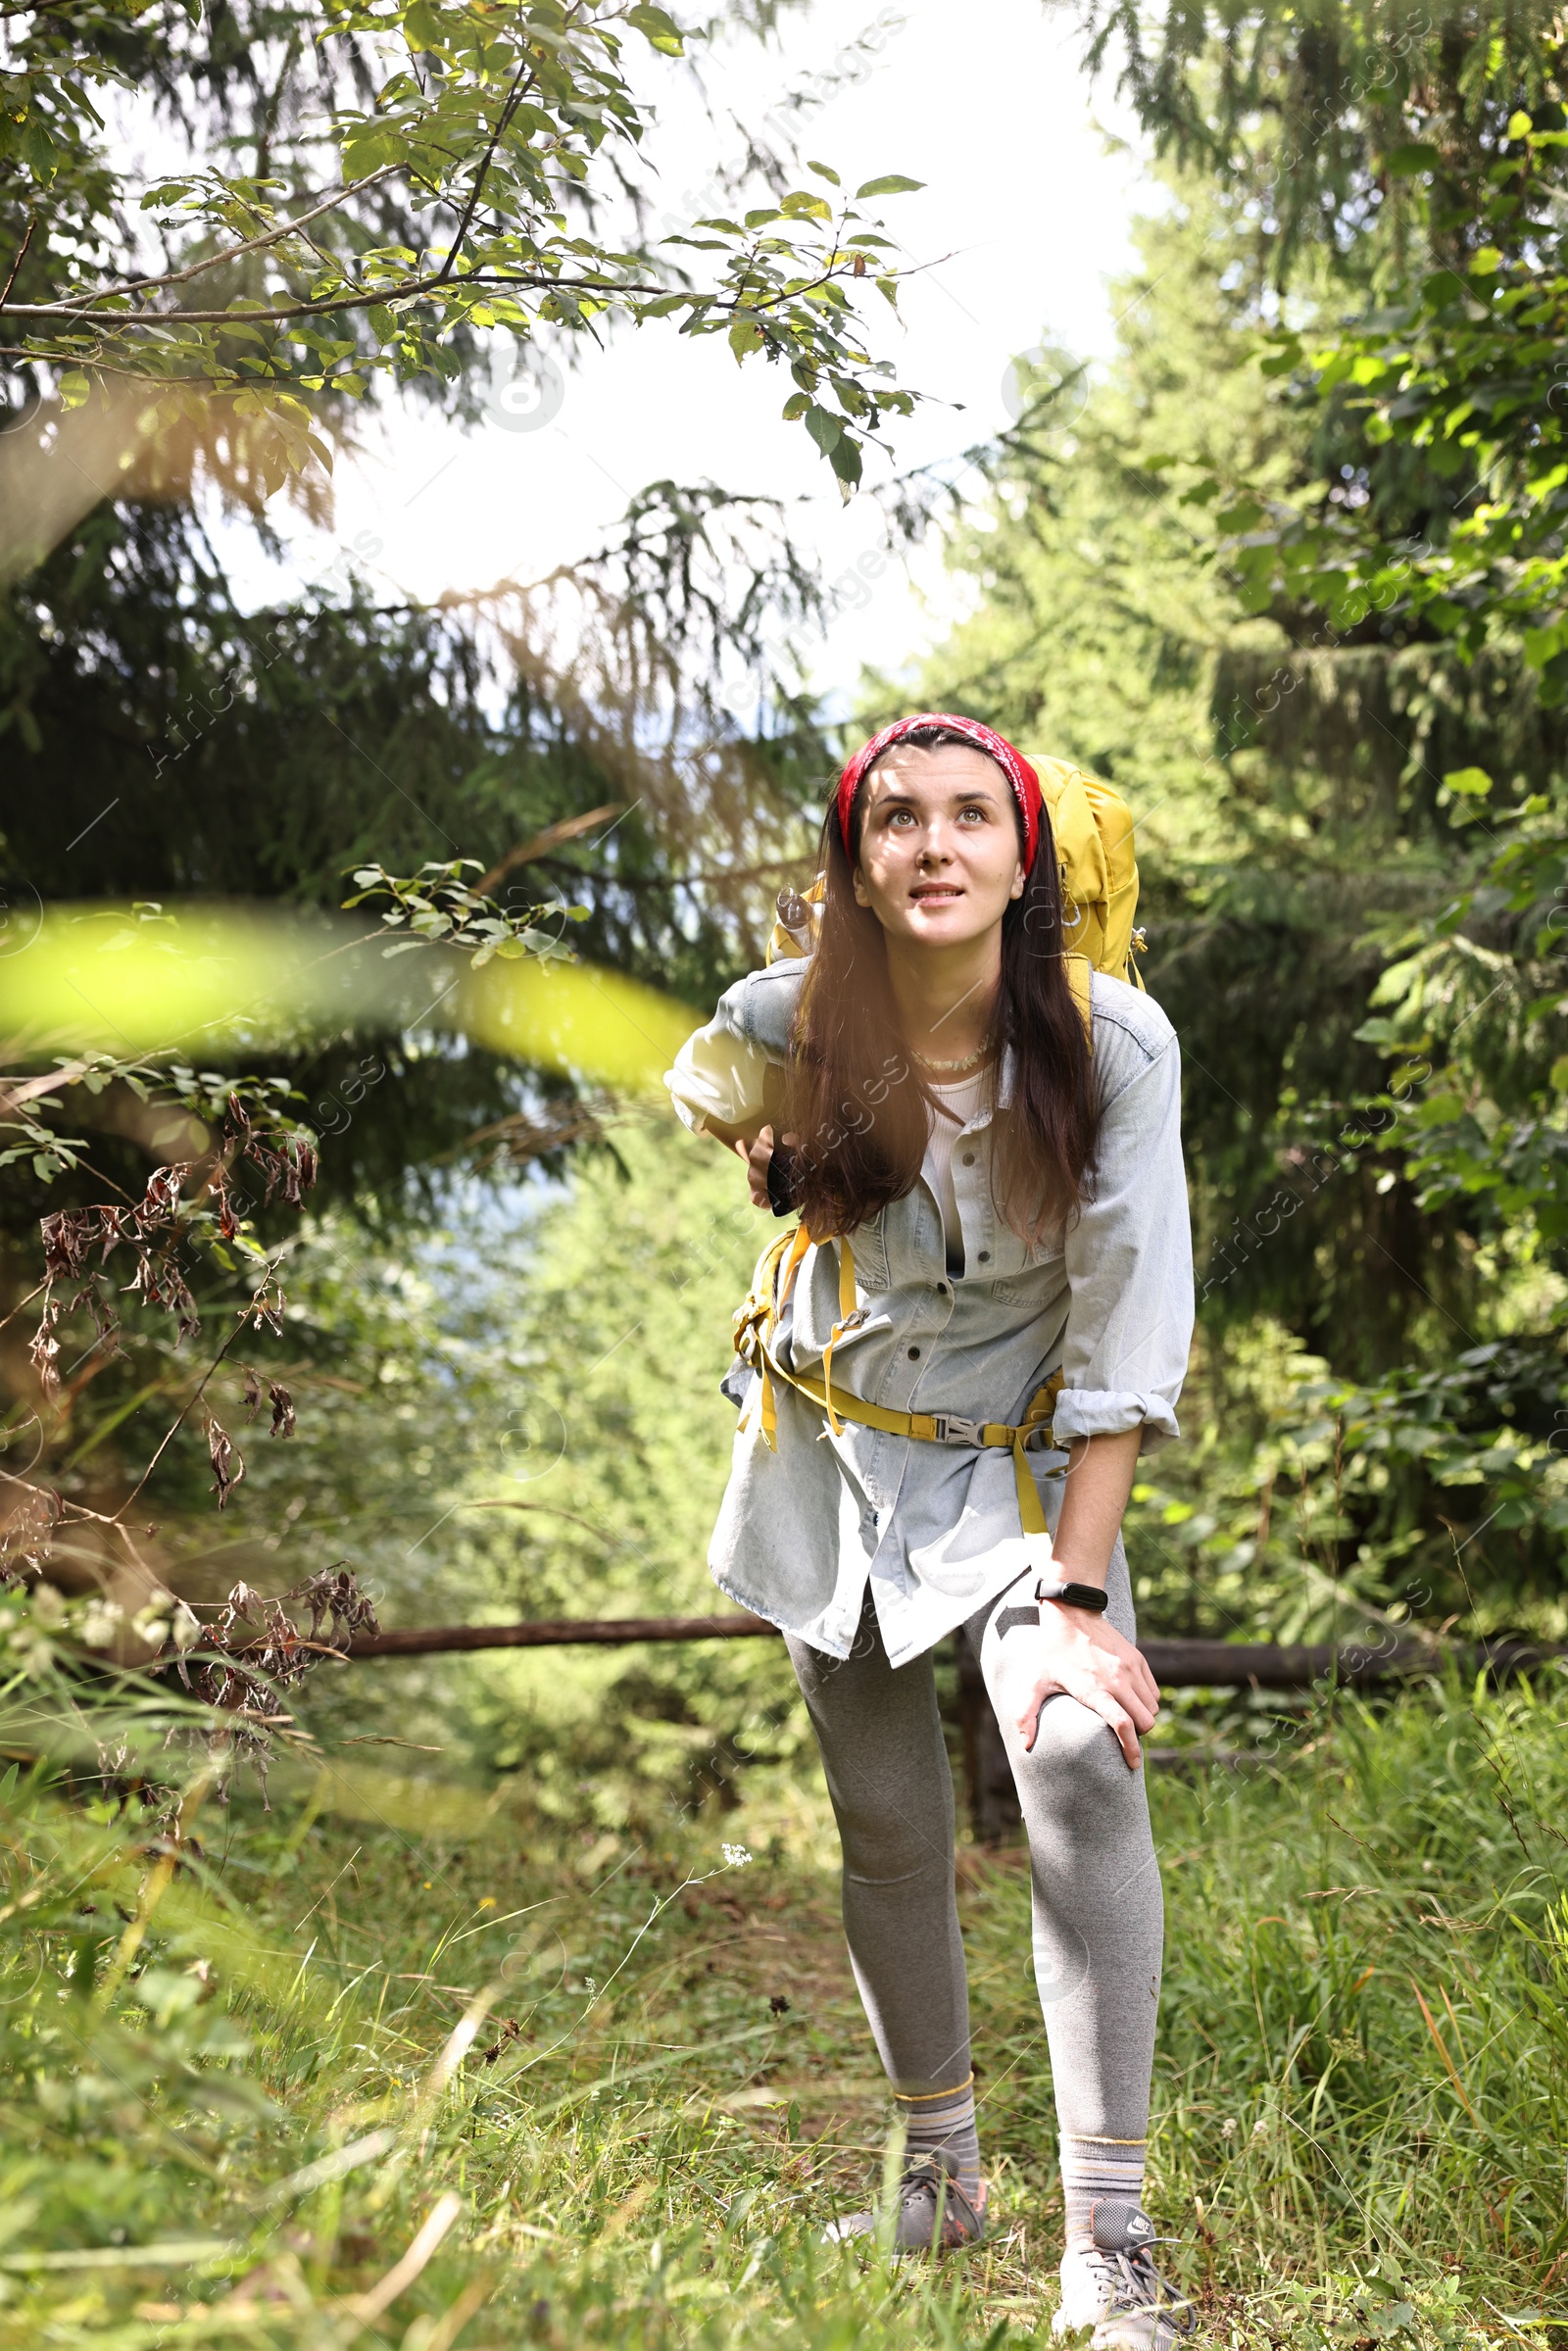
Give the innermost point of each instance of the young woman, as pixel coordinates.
(991, 1314)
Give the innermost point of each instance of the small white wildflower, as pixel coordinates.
(735, 1856)
(35, 1656)
(101, 1621)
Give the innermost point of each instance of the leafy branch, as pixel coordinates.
(437, 907)
(510, 129)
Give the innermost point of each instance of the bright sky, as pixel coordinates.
(1022, 221)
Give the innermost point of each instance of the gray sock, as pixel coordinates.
(1099, 2171)
(944, 2123)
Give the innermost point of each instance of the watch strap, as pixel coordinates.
(1091, 1598)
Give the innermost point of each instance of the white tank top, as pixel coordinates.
(962, 1099)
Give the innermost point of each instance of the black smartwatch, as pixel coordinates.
(1088, 1597)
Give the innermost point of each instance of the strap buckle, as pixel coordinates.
(950, 1429)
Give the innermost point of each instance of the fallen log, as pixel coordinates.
(559, 1632)
(1308, 1665)
(1175, 1664)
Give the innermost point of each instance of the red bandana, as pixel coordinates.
(1017, 771)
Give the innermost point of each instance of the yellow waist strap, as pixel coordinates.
(753, 1328)
(938, 1428)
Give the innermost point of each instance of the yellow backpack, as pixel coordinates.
(1093, 829)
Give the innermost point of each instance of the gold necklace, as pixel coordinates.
(955, 1068)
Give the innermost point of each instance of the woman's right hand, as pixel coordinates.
(755, 1153)
(1087, 1659)
(757, 1156)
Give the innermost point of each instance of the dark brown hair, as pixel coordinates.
(858, 1103)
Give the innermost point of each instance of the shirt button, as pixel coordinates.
(985, 1256)
(968, 1158)
(914, 1351)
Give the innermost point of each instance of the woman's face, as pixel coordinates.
(939, 845)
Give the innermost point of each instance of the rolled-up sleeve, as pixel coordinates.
(1129, 1260)
(720, 1074)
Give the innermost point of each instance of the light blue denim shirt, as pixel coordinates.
(935, 1526)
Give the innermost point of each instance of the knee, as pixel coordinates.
(882, 1844)
(1078, 1767)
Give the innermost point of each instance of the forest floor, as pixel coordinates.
(366, 2083)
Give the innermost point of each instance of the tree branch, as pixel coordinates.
(568, 828)
(79, 313)
(195, 1398)
(213, 260)
(22, 254)
(466, 218)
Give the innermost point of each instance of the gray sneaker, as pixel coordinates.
(1111, 2284)
(928, 2188)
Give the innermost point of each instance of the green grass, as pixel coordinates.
(1359, 2127)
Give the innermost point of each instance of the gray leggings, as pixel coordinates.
(1098, 1917)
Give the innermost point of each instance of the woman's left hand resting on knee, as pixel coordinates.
(1075, 1653)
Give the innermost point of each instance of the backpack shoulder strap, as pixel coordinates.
(1079, 979)
(796, 919)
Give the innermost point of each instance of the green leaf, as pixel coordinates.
(825, 430)
(366, 148)
(1542, 645)
(1474, 782)
(421, 25)
(1519, 125)
(1442, 287)
(845, 459)
(824, 171)
(661, 33)
(893, 184)
(744, 337)
(39, 150)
